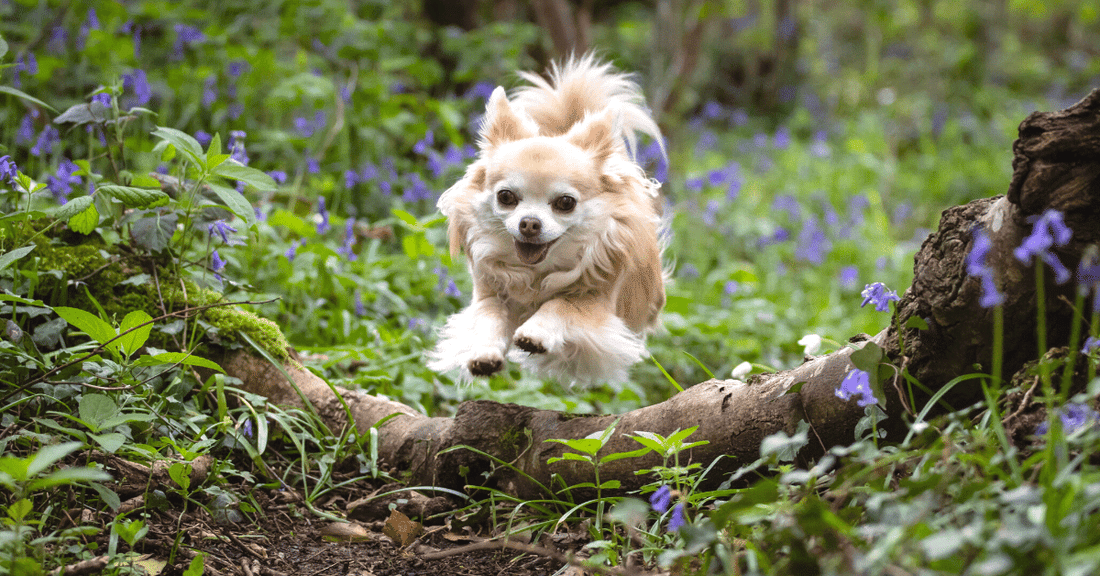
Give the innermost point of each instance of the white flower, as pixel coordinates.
(741, 370)
(811, 343)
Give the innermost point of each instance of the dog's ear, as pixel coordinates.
(502, 123)
(456, 204)
(598, 134)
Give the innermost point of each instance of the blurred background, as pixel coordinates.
(812, 145)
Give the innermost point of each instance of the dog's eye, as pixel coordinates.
(565, 204)
(507, 198)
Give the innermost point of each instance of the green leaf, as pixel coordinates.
(180, 473)
(110, 442)
(27, 97)
(570, 456)
(620, 455)
(250, 176)
(154, 232)
(88, 323)
(86, 221)
(95, 409)
(14, 255)
(65, 476)
(408, 219)
(916, 322)
(868, 357)
(132, 341)
(84, 114)
(135, 197)
(177, 357)
(183, 142)
(611, 485)
(20, 509)
(236, 203)
(585, 445)
(72, 207)
(3, 47)
(48, 455)
(214, 149)
(197, 567)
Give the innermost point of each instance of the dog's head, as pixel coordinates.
(540, 189)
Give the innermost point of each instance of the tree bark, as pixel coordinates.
(1056, 165)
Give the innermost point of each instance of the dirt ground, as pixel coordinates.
(363, 535)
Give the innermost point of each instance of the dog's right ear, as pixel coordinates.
(502, 123)
(456, 203)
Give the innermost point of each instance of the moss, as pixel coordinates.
(514, 440)
(231, 321)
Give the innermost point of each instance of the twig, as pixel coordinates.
(81, 568)
(1023, 403)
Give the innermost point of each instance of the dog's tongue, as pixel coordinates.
(530, 253)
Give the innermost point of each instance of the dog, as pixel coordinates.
(561, 229)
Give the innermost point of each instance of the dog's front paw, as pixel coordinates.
(486, 363)
(535, 338)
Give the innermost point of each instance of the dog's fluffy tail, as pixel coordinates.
(584, 86)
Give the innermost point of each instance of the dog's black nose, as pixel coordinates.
(530, 227)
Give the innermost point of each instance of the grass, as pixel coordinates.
(776, 224)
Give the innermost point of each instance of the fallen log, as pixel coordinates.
(1056, 166)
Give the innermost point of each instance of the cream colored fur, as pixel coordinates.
(568, 286)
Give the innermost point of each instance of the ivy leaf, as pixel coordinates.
(868, 357)
(251, 176)
(153, 232)
(135, 197)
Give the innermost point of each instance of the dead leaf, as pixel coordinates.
(344, 532)
(401, 529)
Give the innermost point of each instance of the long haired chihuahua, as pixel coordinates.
(560, 228)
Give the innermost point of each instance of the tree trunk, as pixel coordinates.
(1056, 165)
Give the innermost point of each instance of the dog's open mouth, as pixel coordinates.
(531, 253)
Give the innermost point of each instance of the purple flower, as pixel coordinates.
(351, 177)
(857, 383)
(689, 270)
(322, 213)
(137, 82)
(707, 141)
(102, 98)
(91, 22)
(782, 138)
(360, 309)
(235, 68)
(185, 37)
(812, 244)
(216, 264)
(976, 266)
(135, 31)
(849, 277)
(1074, 417)
(416, 190)
(61, 182)
(246, 429)
(452, 155)
(1049, 230)
(1088, 277)
(422, 146)
(292, 250)
(47, 139)
(302, 125)
(435, 163)
(660, 499)
(236, 147)
(713, 110)
(878, 294)
(25, 133)
(209, 91)
(313, 166)
(368, 172)
(220, 228)
(348, 249)
(8, 169)
(1091, 343)
(58, 37)
(24, 63)
(788, 204)
(676, 520)
(479, 91)
(279, 176)
(710, 215)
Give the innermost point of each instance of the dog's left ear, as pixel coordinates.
(502, 123)
(598, 134)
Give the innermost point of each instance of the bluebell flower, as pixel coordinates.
(216, 264)
(102, 98)
(246, 428)
(58, 37)
(185, 37)
(878, 294)
(279, 176)
(788, 204)
(694, 184)
(812, 245)
(313, 166)
(819, 146)
(689, 270)
(661, 499)
(707, 141)
(857, 384)
(1088, 277)
(351, 177)
(62, 181)
(417, 189)
(91, 22)
(1049, 230)
(676, 520)
(220, 228)
(731, 287)
(1091, 343)
(480, 91)
(360, 308)
(203, 137)
(348, 249)
(236, 147)
(25, 133)
(760, 140)
(782, 138)
(1073, 416)
(135, 32)
(713, 110)
(138, 83)
(292, 250)
(209, 91)
(322, 214)
(417, 324)
(976, 266)
(425, 143)
(739, 117)
(236, 68)
(452, 156)
(451, 289)
(235, 110)
(47, 139)
(849, 277)
(24, 63)
(8, 170)
(367, 172)
(435, 163)
(710, 215)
